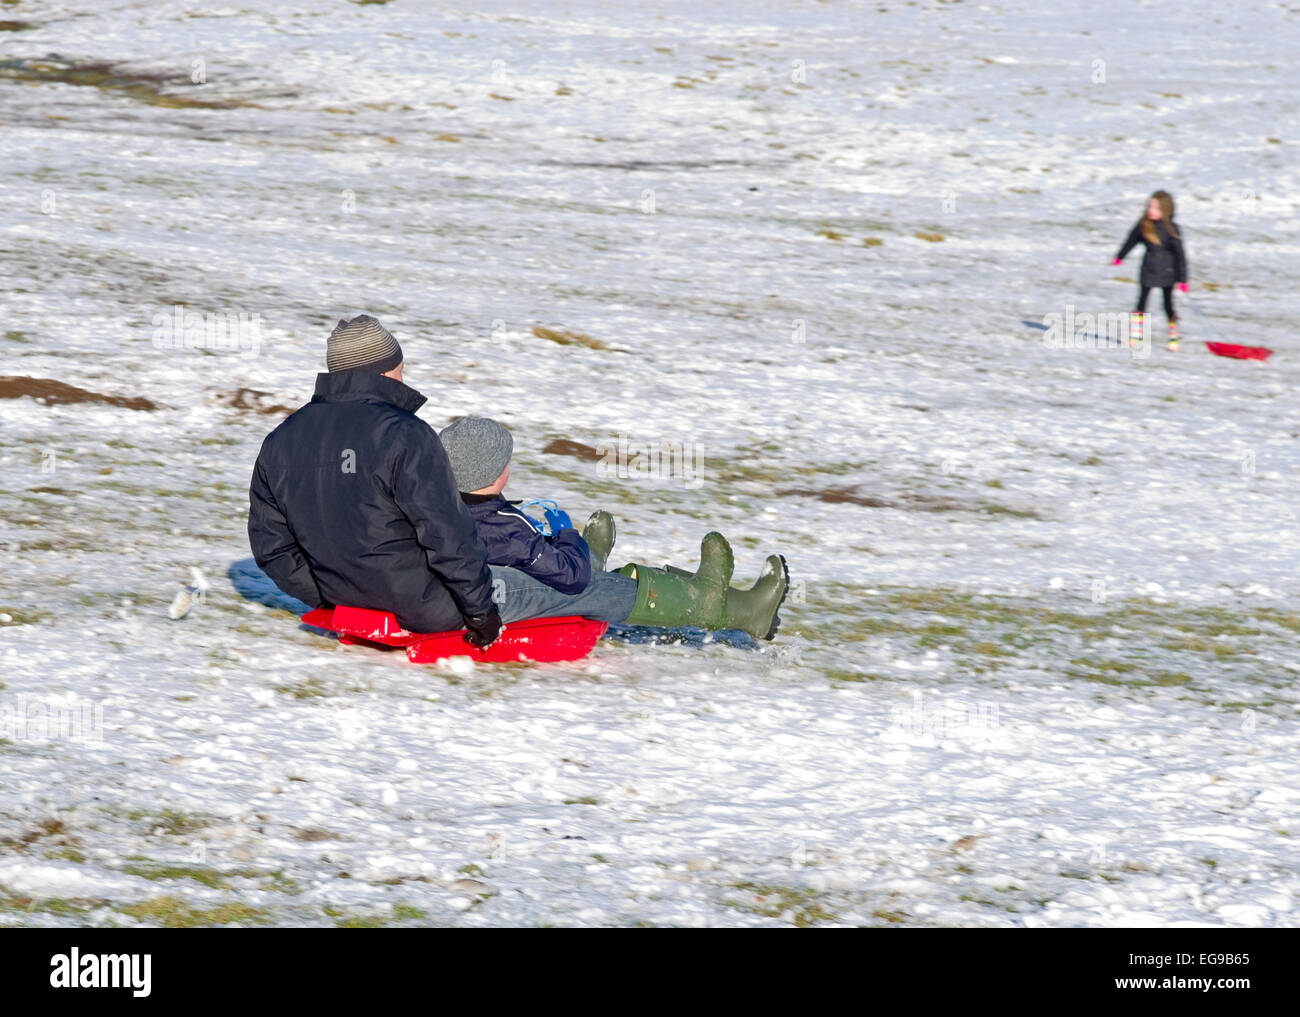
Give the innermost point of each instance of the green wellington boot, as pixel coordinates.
(671, 597)
(599, 534)
(755, 610)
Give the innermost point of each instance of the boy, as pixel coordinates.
(573, 564)
(480, 450)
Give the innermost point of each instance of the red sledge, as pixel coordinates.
(1240, 352)
(543, 640)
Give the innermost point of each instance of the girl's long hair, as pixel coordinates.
(1166, 202)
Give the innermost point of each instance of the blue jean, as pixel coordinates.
(608, 597)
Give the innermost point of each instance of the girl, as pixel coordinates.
(1163, 264)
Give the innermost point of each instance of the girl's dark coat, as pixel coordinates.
(1164, 263)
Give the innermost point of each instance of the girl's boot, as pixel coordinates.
(1136, 326)
(1173, 345)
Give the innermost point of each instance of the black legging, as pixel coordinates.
(1168, 291)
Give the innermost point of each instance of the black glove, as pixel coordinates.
(484, 629)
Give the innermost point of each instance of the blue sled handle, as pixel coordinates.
(541, 527)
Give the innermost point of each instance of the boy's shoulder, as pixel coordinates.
(507, 534)
(496, 509)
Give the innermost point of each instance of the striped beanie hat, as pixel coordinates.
(361, 344)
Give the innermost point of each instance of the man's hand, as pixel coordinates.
(1183, 287)
(484, 629)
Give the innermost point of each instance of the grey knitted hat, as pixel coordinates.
(361, 344)
(479, 449)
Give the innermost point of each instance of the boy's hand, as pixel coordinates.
(484, 629)
(1183, 287)
(1117, 261)
(558, 520)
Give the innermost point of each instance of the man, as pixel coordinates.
(353, 500)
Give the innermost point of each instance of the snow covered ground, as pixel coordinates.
(1039, 664)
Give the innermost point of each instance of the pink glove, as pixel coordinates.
(1183, 287)
(1116, 261)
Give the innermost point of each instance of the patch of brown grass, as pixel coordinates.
(49, 392)
(564, 338)
(568, 447)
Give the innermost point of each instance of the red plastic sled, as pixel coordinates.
(1240, 352)
(543, 640)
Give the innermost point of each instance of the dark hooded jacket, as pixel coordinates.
(353, 502)
(1164, 263)
(562, 562)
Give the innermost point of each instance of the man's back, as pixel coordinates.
(353, 502)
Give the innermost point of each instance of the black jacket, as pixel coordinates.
(1164, 263)
(562, 562)
(353, 502)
